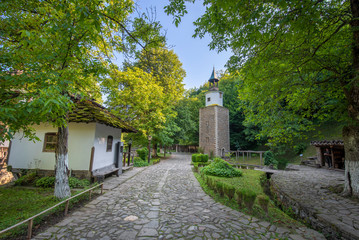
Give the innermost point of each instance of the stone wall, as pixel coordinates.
(207, 125)
(214, 129)
(309, 215)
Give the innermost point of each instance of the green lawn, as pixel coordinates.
(251, 180)
(254, 160)
(19, 203)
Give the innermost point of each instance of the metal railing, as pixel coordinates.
(30, 220)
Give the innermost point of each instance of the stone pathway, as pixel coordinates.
(164, 201)
(306, 191)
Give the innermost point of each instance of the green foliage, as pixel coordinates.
(198, 157)
(142, 153)
(269, 159)
(282, 163)
(296, 72)
(78, 183)
(219, 188)
(18, 204)
(46, 182)
(251, 181)
(187, 110)
(155, 161)
(139, 162)
(26, 180)
(221, 168)
(229, 190)
(238, 196)
(263, 201)
(299, 148)
(49, 50)
(249, 198)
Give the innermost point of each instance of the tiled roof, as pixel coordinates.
(89, 111)
(327, 143)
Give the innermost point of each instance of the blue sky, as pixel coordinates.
(194, 53)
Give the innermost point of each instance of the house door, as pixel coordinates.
(118, 155)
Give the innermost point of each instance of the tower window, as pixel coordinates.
(109, 144)
(220, 95)
(208, 99)
(207, 139)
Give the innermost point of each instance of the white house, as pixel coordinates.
(94, 143)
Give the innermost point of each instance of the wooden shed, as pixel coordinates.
(337, 150)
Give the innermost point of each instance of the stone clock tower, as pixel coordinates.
(214, 121)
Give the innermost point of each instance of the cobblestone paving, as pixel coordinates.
(308, 188)
(165, 201)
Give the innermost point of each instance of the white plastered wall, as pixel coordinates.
(214, 97)
(102, 158)
(28, 154)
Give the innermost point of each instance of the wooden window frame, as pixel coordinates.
(46, 142)
(109, 148)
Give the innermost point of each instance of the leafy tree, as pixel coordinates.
(187, 118)
(241, 136)
(49, 51)
(134, 96)
(300, 60)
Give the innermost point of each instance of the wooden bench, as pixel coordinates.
(99, 174)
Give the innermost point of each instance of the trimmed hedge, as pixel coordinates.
(263, 201)
(249, 198)
(221, 168)
(199, 157)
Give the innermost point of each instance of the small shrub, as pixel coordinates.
(155, 161)
(300, 148)
(221, 168)
(238, 196)
(78, 183)
(229, 190)
(195, 166)
(137, 159)
(198, 157)
(219, 188)
(140, 164)
(269, 159)
(249, 198)
(204, 158)
(263, 201)
(143, 153)
(211, 155)
(45, 182)
(27, 179)
(282, 163)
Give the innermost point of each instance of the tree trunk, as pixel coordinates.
(155, 150)
(62, 189)
(149, 151)
(351, 145)
(351, 133)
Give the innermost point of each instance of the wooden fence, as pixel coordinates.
(241, 154)
(30, 220)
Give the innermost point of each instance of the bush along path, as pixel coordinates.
(165, 201)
